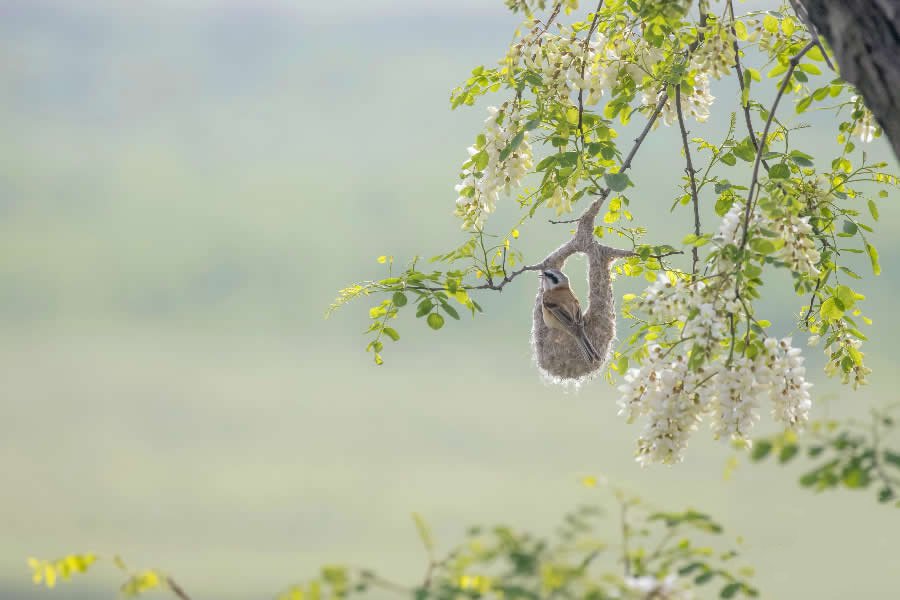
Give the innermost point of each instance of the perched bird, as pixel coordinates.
(562, 311)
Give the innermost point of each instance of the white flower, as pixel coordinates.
(716, 55)
(799, 252)
(648, 586)
(730, 229)
(725, 385)
(695, 103)
(481, 186)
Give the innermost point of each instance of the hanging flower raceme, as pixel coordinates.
(498, 161)
(695, 102)
(715, 56)
(799, 252)
(707, 371)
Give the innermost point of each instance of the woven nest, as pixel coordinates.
(556, 352)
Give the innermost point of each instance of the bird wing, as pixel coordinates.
(568, 314)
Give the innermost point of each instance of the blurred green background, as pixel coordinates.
(185, 185)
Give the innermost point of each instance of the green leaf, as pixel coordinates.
(831, 310)
(804, 104)
(481, 160)
(424, 532)
(617, 181)
(779, 171)
(856, 478)
(850, 228)
(450, 310)
(704, 577)
(811, 69)
(801, 158)
(787, 453)
(873, 209)
(873, 257)
(399, 299)
(892, 458)
(424, 308)
(435, 321)
(745, 150)
(723, 204)
(513, 144)
(728, 159)
(762, 245)
(846, 296)
(546, 163)
(730, 590)
(761, 449)
(391, 333)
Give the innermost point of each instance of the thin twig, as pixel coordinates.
(803, 15)
(177, 589)
(587, 43)
(695, 256)
(795, 60)
(740, 76)
(664, 255)
(586, 220)
(552, 18)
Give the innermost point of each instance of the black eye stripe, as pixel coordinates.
(552, 277)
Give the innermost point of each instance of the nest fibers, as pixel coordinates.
(556, 353)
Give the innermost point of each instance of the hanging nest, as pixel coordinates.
(556, 353)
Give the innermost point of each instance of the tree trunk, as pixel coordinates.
(865, 38)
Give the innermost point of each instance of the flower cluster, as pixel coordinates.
(731, 227)
(676, 389)
(799, 252)
(567, 64)
(695, 102)
(563, 197)
(716, 55)
(498, 161)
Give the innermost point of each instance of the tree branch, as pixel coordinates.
(587, 42)
(586, 220)
(795, 60)
(801, 13)
(740, 76)
(695, 257)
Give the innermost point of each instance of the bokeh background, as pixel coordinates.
(184, 187)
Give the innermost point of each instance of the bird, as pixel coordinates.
(562, 311)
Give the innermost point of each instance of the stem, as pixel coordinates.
(740, 75)
(177, 589)
(695, 257)
(795, 60)
(587, 42)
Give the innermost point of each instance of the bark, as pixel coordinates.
(865, 38)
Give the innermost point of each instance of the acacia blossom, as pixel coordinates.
(675, 394)
(482, 182)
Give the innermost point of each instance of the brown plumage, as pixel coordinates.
(562, 311)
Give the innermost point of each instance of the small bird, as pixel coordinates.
(562, 311)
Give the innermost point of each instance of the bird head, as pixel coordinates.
(552, 279)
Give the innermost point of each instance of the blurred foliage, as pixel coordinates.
(622, 548)
(848, 454)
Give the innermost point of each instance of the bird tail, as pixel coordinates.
(587, 347)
